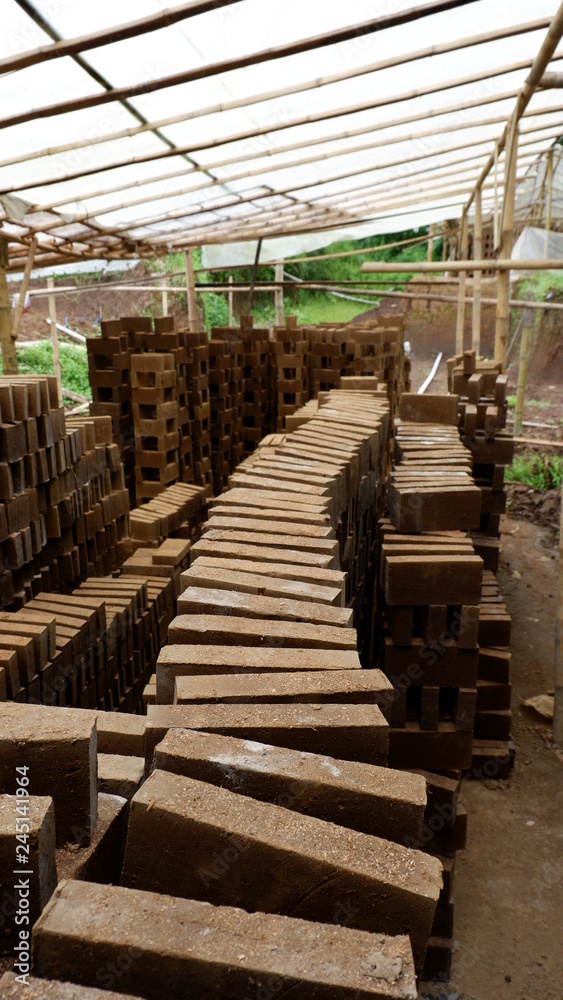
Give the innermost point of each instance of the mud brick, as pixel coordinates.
(34, 817)
(119, 733)
(60, 749)
(10, 669)
(494, 665)
(444, 748)
(464, 715)
(43, 989)
(299, 961)
(389, 902)
(255, 583)
(236, 631)
(119, 775)
(360, 733)
(494, 627)
(267, 525)
(41, 636)
(269, 512)
(469, 627)
(210, 601)
(493, 724)
(314, 687)
(326, 548)
(429, 708)
(491, 760)
(188, 660)
(231, 547)
(429, 408)
(362, 797)
(426, 579)
(13, 444)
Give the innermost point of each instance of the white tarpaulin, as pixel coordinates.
(380, 132)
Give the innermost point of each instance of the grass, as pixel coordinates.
(539, 404)
(541, 471)
(74, 365)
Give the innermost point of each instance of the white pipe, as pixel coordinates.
(71, 334)
(425, 384)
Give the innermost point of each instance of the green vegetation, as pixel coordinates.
(543, 472)
(539, 404)
(74, 365)
(539, 286)
(308, 306)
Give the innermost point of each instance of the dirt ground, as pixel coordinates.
(508, 887)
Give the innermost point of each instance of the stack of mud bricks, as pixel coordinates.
(155, 416)
(292, 382)
(482, 388)
(430, 587)
(63, 509)
(493, 750)
(197, 374)
(227, 404)
(109, 363)
(167, 340)
(178, 512)
(94, 648)
(327, 357)
(259, 417)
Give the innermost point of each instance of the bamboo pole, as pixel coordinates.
(558, 686)
(288, 123)
(253, 278)
(506, 241)
(190, 287)
(525, 345)
(303, 45)
(460, 327)
(462, 43)
(231, 302)
(164, 297)
(477, 278)
(225, 140)
(549, 200)
(55, 339)
(279, 294)
(7, 341)
(430, 254)
(23, 289)
(118, 33)
(538, 68)
(494, 264)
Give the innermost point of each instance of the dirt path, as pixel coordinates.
(509, 881)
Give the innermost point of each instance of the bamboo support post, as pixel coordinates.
(7, 341)
(477, 276)
(525, 345)
(460, 328)
(506, 241)
(278, 294)
(55, 339)
(23, 289)
(549, 200)
(231, 302)
(254, 274)
(164, 297)
(558, 686)
(190, 287)
(430, 254)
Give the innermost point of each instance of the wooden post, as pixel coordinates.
(55, 339)
(549, 201)
(278, 295)
(190, 286)
(506, 240)
(496, 237)
(430, 255)
(7, 342)
(525, 345)
(164, 297)
(464, 243)
(558, 712)
(253, 278)
(23, 288)
(477, 275)
(231, 303)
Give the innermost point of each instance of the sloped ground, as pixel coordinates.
(509, 881)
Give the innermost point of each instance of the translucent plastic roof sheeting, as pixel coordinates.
(535, 244)
(354, 138)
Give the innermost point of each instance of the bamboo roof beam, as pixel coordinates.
(269, 168)
(370, 105)
(204, 208)
(455, 45)
(240, 62)
(544, 57)
(118, 33)
(492, 264)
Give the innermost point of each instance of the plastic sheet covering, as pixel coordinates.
(535, 244)
(377, 134)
